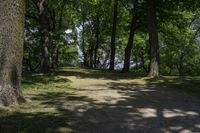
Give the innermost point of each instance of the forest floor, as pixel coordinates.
(74, 100)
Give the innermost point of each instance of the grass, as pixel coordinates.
(185, 83)
(48, 94)
(44, 92)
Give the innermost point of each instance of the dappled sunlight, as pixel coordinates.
(177, 112)
(104, 106)
(147, 112)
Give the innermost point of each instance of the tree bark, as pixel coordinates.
(45, 36)
(83, 44)
(30, 68)
(12, 18)
(91, 62)
(129, 46)
(153, 39)
(113, 38)
(97, 41)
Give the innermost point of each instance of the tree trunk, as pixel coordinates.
(57, 57)
(129, 46)
(45, 36)
(143, 63)
(153, 39)
(30, 68)
(83, 44)
(97, 41)
(113, 41)
(11, 50)
(91, 50)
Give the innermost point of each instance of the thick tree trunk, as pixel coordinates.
(129, 46)
(97, 41)
(113, 41)
(12, 14)
(153, 39)
(45, 36)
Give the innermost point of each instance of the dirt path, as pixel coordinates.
(106, 105)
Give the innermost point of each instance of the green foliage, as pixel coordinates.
(178, 25)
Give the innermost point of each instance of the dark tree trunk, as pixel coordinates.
(30, 68)
(45, 36)
(179, 65)
(83, 45)
(136, 62)
(91, 62)
(153, 39)
(97, 41)
(113, 41)
(129, 46)
(57, 57)
(11, 50)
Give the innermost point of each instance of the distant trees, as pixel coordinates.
(138, 35)
(11, 50)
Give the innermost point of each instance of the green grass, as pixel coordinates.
(41, 114)
(185, 83)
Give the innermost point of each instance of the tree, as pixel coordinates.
(113, 37)
(153, 39)
(97, 39)
(44, 21)
(133, 27)
(11, 50)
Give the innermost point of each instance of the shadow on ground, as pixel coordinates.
(97, 74)
(140, 108)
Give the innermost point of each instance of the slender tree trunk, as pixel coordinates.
(113, 41)
(57, 57)
(83, 45)
(52, 47)
(45, 36)
(97, 41)
(136, 62)
(12, 14)
(91, 50)
(153, 39)
(30, 61)
(129, 46)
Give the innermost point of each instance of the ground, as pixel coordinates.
(73, 100)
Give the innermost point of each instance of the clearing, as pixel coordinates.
(95, 101)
